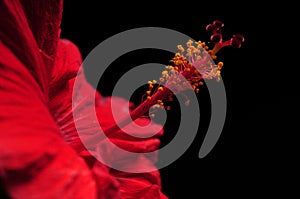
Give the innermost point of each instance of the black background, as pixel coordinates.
(255, 155)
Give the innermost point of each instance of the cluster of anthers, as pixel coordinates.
(190, 66)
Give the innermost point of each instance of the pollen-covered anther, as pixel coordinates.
(177, 55)
(180, 48)
(148, 92)
(150, 85)
(164, 73)
(193, 49)
(197, 90)
(169, 67)
(189, 43)
(160, 88)
(154, 81)
(200, 44)
(148, 98)
(161, 79)
(187, 69)
(178, 62)
(220, 65)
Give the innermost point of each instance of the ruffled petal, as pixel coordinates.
(63, 112)
(35, 162)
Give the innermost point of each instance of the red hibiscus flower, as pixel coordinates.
(41, 154)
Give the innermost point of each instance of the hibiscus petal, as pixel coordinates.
(35, 162)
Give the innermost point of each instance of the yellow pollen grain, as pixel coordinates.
(189, 43)
(180, 48)
(220, 65)
(164, 72)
